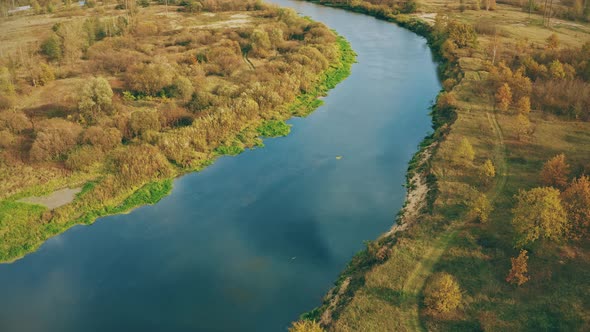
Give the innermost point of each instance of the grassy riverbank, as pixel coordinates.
(382, 289)
(24, 227)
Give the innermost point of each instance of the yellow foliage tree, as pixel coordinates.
(464, 153)
(557, 70)
(539, 214)
(523, 127)
(306, 326)
(555, 172)
(576, 200)
(517, 274)
(504, 97)
(552, 41)
(523, 106)
(442, 293)
(480, 208)
(487, 171)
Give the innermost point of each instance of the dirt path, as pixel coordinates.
(417, 278)
(499, 160)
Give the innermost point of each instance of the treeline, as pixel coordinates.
(567, 9)
(554, 80)
(378, 8)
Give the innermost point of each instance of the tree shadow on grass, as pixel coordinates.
(394, 297)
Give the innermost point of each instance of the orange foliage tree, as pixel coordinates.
(555, 172)
(517, 274)
(576, 201)
(504, 97)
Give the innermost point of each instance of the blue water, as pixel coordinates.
(254, 240)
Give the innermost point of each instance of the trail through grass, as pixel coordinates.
(425, 267)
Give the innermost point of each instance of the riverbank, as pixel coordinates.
(420, 185)
(15, 216)
(382, 287)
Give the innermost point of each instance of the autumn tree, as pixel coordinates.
(523, 127)
(555, 172)
(96, 97)
(518, 271)
(480, 208)
(523, 106)
(150, 79)
(464, 153)
(306, 326)
(487, 172)
(446, 100)
(55, 138)
(557, 70)
(442, 293)
(539, 214)
(521, 85)
(461, 34)
(72, 40)
(504, 97)
(552, 41)
(51, 48)
(576, 201)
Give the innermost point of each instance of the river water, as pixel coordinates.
(253, 241)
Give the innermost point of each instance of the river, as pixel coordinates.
(254, 240)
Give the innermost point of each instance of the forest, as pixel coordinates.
(118, 98)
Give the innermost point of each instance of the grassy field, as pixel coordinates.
(388, 295)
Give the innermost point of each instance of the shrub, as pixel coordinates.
(480, 208)
(140, 163)
(487, 171)
(103, 138)
(144, 121)
(83, 157)
(181, 88)
(6, 139)
(306, 326)
(442, 293)
(55, 137)
(464, 153)
(150, 79)
(15, 121)
(51, 48)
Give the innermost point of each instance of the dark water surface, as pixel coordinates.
(254, 240)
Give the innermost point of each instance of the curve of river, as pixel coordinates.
(255, 240)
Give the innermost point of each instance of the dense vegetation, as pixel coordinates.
(501, 241)
(119, 98)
